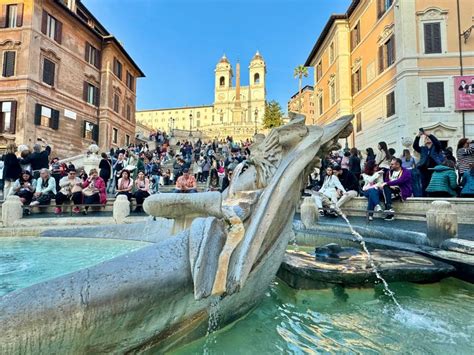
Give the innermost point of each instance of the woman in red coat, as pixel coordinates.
(94, 190)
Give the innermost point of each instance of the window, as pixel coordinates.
(8, 64)
(114, 135)
(90, 131)
(432, 37)
(435, 93)
(92, 55)
(383, 6)
(8, 116)
(332, 92)
(116, 103)
(117, 68)
(319, 71)
(51, 27)
(331, 53)
(198, 114)
(256, 79)
(355, 36)
(222, 81)
(356, 81)
(320, 104)
(387, 54)
(91, 94)
(130, 80)
(48, 72)
(46, 117)
(12, 16)
(127, 140)
(390, 101)
(129, 112)
(358, 122)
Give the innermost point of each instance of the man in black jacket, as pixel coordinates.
(38, 159)
(350, 183)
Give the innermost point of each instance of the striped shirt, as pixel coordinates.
(465, 157)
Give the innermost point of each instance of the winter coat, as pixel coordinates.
(403, 182)
(39, 160)
(468, 183)
(443, 180)
(11, 168)
(429, 157)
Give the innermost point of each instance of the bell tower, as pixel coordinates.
(257, 88)
(223, 75)
(257, 70)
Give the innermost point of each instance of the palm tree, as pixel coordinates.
(300, 72)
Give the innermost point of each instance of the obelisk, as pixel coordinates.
(237, 111)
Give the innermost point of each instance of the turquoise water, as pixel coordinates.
(437, 319)
(27, 261)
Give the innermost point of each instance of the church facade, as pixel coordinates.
(237, 110)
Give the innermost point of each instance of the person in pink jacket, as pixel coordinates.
(94, 190)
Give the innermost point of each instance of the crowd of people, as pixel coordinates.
(381, 176)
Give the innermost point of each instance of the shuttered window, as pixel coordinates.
(48, 72)
(51, 27)
(114, 135)
(116, 103)
(129, 112)
(383, 6)
(355, 36)
(91, 94)
(390, 101)
(117, 68)
(435, 93)
(320, 104)
(130, 80)
(8, 64)
(11, 16)
(90, 131)
(46, 117)
(8, 116)
(92, 55)
(319, 71)
(356, 82)
(386, 54)
(432, 37)
(358, 122)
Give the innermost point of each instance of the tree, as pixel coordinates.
(300, 72)
(273, 115)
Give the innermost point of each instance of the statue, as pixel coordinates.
(218, 249)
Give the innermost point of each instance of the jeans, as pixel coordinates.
(156, 182)
(374, 198)
(178, 191)
(76, 198)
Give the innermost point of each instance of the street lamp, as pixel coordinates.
(256, 116)
(171, 124)
(190, 124)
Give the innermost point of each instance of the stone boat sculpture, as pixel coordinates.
(212, 253)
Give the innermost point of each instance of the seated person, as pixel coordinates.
(142, 186)
(373, 178)
(350, 183)
(443, 182)
(125, 184)
(397, 181)
(467, 183)
(328, 193)
(186, 183)
(94, 190)
(45, 189)
(70, 190)
(24, 187)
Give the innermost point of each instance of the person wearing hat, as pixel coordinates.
(186, 183)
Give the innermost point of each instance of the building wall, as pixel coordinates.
(66, 95)
(306, 99)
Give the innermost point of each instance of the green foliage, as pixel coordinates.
(300, 72)
(273, 115)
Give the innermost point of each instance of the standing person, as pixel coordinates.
(70, 189)
(56, 171)
(409, 163)
(431, 155)
(142, 190)
(213, 181)
(105, 167)
(467, 183)
(383, 157)
(45, 189)
(329, 191)
(465, 155)
(186, 183)
(118, 168)
(155, 173)
(38, 159)
(443, 180)
(24, 188)
(11, 169)
(125, 184)
(373, 178)
(354, 163)
(94, 190)
(345, 160)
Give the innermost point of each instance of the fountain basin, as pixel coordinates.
(300, 270)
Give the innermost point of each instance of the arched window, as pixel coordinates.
(222, 81)
(256, 78)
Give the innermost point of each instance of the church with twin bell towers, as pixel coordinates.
(237, 110)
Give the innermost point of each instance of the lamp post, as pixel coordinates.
(190, 124)
(256, 116)
(171, 124)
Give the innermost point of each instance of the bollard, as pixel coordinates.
(11, 211)
(309, 213)
(442, 223)
(121, 209)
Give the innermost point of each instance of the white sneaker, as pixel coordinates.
(378, 208)
(34, 203)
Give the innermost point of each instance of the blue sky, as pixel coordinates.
(177, 43)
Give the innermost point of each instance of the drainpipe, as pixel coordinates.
(461, 69)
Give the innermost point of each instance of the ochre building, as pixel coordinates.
(392, 63)
(303, 103)
(64, 78)
(237, 110)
